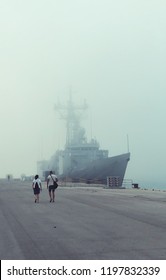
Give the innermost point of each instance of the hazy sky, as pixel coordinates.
(111, 52)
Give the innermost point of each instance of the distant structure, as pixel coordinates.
(9, 177)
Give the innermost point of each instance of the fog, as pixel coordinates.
(110, 53)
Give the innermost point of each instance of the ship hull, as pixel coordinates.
(110, 171)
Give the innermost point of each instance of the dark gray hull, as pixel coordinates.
(97, 171)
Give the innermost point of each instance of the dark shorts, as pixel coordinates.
(51, 188)
(36, 190)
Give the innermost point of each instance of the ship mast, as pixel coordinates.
(72, 114)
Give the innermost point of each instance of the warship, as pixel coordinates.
(82, 160)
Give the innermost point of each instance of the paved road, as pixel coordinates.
(83, 223)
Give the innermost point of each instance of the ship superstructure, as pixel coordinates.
(82, 160)
(78, 151)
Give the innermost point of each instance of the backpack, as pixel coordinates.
(36, 185)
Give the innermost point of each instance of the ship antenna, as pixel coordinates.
(72, 115)
(128, 144)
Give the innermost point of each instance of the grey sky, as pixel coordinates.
(111, 52)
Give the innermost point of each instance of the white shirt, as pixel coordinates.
(50, 180)
(37, 181)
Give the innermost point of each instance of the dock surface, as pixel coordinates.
(84, 223)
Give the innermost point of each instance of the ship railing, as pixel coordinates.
(127, 183)
(112, 181)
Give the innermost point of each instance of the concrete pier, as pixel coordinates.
(84, 223)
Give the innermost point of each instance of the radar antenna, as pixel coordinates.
(72, 114)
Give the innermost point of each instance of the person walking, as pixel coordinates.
(52, 185)
(37, 187)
